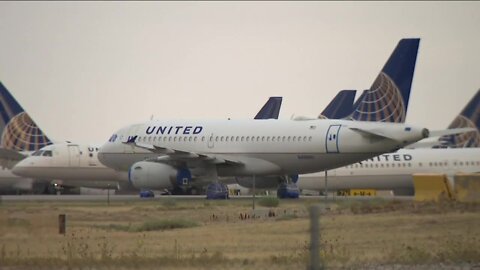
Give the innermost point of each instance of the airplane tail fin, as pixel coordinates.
(341, 105)
(387, 99)
(17, 130)
(271, 109)
(469, 117)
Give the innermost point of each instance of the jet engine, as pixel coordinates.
(153, 175)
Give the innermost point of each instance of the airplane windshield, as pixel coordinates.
(37, 153)
(47, 153)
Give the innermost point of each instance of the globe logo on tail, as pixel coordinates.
(22, 134)
(467, 139)
(382, 103)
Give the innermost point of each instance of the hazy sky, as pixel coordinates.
(85, 69)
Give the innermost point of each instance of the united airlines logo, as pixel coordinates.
(467, 139)
(382, 103)
(22, 134)
(174, 130)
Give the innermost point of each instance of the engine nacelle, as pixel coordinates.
(153, 175)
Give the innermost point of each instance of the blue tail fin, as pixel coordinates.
(271, 109)
(18, 131)
(469, 117)
(387, 99)
(340, 106)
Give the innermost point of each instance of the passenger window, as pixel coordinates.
(203, 138)
(268, 138)
(241, 139)
(246, 139)
(293, 139)
(221, 139)
(273, 138)
(310, 138)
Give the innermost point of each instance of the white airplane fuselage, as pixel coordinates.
(70, 164)
(267, 147)
(395, 170)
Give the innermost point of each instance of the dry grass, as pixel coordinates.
(353, 234)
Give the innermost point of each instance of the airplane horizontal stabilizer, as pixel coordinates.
(172, 155)
(452, 131)
(372, 133)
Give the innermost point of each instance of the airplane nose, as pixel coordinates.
(21, 168)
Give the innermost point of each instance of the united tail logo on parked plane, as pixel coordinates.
(469, 117)
(388, 97)
(467, 139)
(383, 102)
(18, 131)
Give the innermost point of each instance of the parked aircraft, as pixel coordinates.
(20, 135)
(394, 171)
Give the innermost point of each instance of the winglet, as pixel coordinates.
(271, 109)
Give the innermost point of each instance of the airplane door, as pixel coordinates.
(331, 140)
(210, 142)
(73, 155)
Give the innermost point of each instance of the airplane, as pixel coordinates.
(384, 173)
(20, 136)
(394, 171)
(159, 153)
(77, 165)
(156, 153)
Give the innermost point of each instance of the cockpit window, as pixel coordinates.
(37, 153)
(47, 153)
(113, 138)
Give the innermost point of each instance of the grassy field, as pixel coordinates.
(199, 234)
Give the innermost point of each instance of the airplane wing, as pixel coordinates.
(451, 131)
(170, 155)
